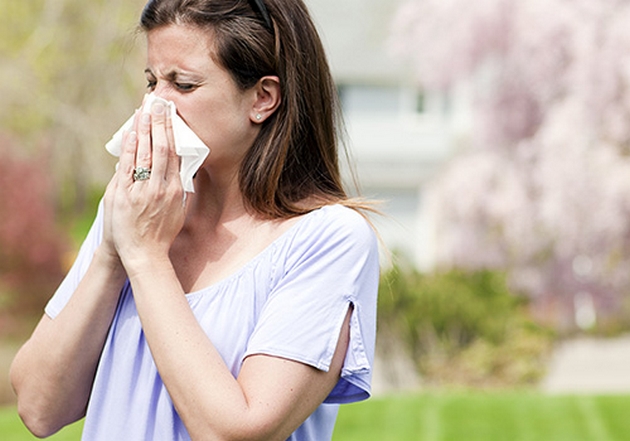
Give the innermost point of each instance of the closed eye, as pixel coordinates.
(185, 87)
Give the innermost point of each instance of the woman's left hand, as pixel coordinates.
(148, 214)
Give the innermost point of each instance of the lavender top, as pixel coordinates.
(289, 301)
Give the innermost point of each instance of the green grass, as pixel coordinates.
(451, 416)
(475, 416)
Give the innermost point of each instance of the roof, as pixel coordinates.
(355, 34)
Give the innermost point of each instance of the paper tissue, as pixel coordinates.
(187, 144)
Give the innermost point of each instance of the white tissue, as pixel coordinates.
(188, 146)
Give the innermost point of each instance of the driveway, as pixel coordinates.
(590, 365)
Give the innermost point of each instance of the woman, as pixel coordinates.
(246, 312)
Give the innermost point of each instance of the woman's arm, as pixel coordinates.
(52, 374)
(271, 396)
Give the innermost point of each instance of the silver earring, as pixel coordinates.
(258, 117)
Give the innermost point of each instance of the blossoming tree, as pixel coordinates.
(542, 188)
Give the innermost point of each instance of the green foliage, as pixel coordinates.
(462, 327)
(70, 73)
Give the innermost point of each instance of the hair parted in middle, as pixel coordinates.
(295, 157)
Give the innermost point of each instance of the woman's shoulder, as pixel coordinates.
(337, 219)
(332, 227)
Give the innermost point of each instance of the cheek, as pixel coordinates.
(198, 118)
(218, 120)
(219, 129)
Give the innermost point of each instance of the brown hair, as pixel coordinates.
(295, 156)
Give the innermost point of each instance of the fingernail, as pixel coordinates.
(157, 108)
(132, 137)
(146, 119)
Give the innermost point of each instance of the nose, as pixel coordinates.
(163, 90)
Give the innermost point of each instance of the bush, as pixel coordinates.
(31, 245)
(462, 327)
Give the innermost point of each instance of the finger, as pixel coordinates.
(138, 112)
(159, 140)
(126, 162)
(143, 154)
(173, 166)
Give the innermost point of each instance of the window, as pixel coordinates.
(367, 99)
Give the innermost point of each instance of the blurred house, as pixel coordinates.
(399, 137)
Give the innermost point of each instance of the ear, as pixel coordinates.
(267, 99)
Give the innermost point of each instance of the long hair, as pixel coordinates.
(295, 156)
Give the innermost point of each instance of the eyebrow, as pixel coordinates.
(174, 74)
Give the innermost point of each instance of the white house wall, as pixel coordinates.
(396, 147)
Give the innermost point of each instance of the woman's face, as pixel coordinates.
(180, 69)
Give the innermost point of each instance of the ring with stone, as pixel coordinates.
(141, 173)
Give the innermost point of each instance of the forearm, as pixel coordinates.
(206, 395)
(53, 373)
(271, 396)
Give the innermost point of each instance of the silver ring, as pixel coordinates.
(141, 174)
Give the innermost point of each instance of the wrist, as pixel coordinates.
(146, 263)
(107, 258)
(110, 261)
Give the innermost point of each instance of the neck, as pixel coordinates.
(216, 200)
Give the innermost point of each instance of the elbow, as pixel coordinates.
(39, 416)
(241, 430)
(36, 421)
(32, 411)
(257, 431)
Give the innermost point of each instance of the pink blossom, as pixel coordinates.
(545, 180)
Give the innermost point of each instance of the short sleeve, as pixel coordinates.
(332, 264)
(79, 268)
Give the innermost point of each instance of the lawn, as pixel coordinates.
(506, 416)
(452, 416)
